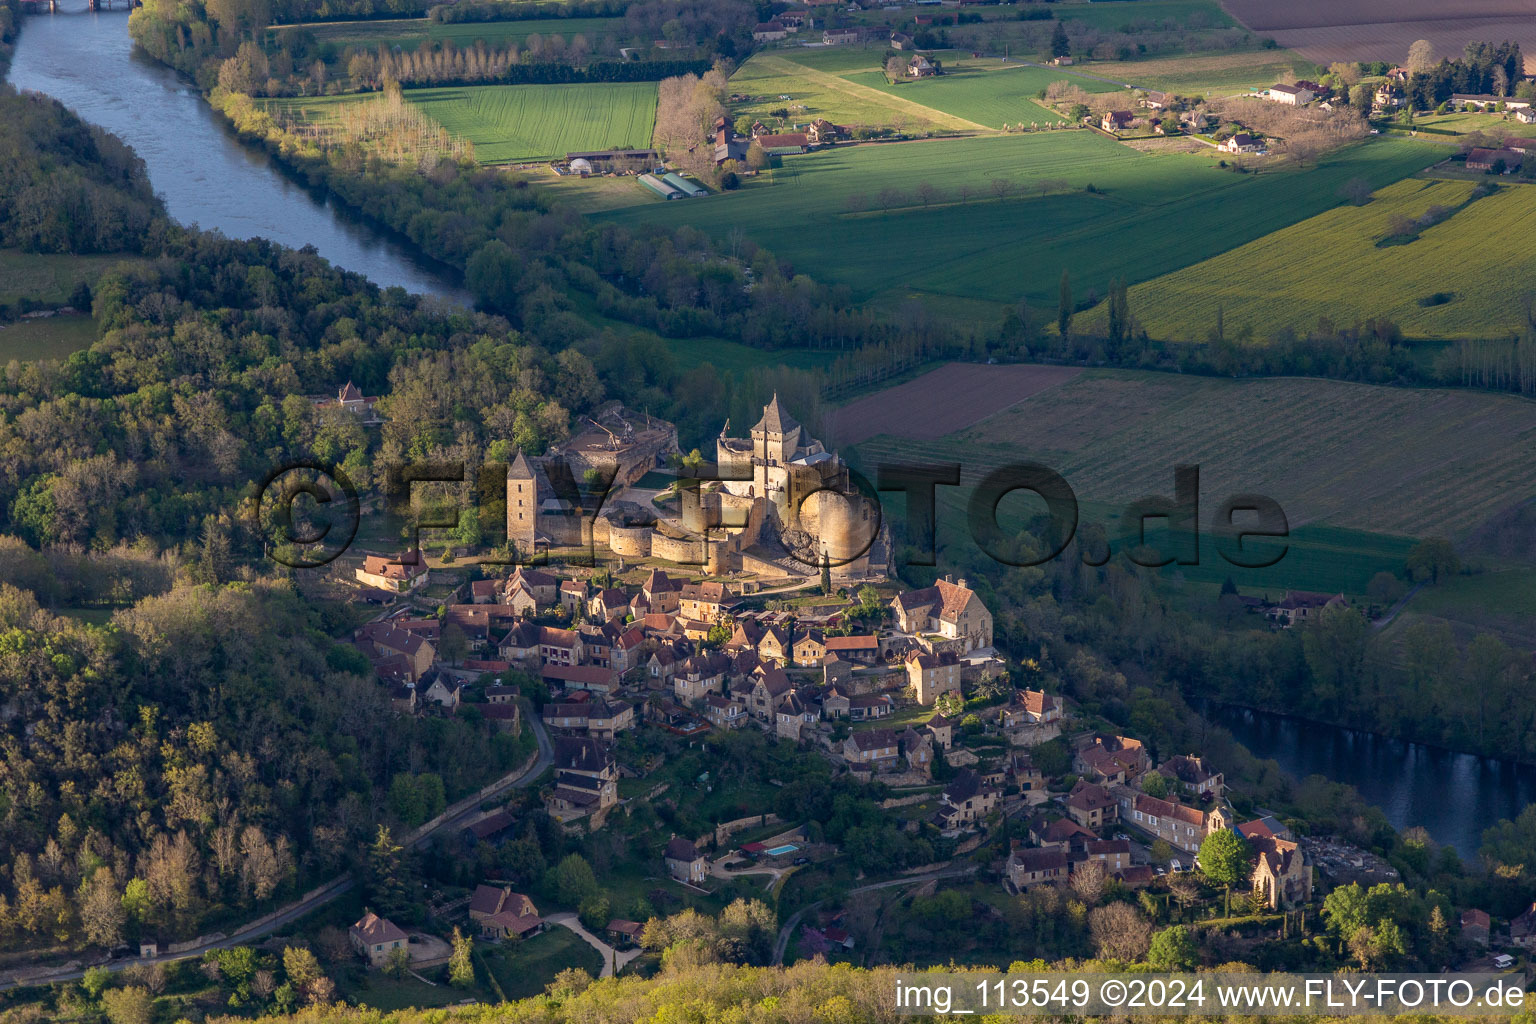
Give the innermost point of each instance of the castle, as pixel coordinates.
(774, 504)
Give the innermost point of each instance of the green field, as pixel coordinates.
(525, 968)
(410, 33)
(509, 123)
(1358, 469)
(846, 85)
(53, 338)
(989, 97)
(48, 277)
(1216, 74)
(1277, 280)
(1148, 214)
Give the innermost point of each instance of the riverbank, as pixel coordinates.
(206, 175)
(1454, 796)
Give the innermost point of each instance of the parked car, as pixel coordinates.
(1175, 865)
(1503, 961)
(801, 860)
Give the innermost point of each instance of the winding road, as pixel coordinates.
(267, 924)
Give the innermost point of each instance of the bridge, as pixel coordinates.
(55, 7)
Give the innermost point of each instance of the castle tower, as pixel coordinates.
(522, 505)
(774, 441)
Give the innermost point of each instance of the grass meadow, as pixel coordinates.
(1279, 280)
(1373, 469)
(1148, 214)
(988, 96)
(49, 277)
(1208, 74)
(509, 123)
(52, 338)
(1132, 17)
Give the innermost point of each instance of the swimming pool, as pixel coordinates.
(779, 851)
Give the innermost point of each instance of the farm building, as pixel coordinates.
(600, 159)
(660, 187)
(901, 41)
(795, 20)
(1115, 120)
(768, 32)
(1491, 159)
(1242, 142)
(840, 36)
(581, 166)
(1291, 95)
(683, 185)
(1526, 116)
(736, 149)
(793, 142)
(1482, 101)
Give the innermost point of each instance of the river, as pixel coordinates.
(206, 176)
(1454, 796)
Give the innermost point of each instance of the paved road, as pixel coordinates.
(610, 955)
(781, 946)
(334, 888)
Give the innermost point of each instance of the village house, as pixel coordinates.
(1242, 142)
(770, 686)
(662, 593)
(624, 934)
(840, 36)
(520, 644)
(724, 713)
(863, 648)
(1091, 805)
(684, 862)
(1522, 929)
(1030, 867)
(824, 133)
(1109, 759)
(1291, 95)
(705, 602)
(1114, 854)
(375, 938)
(1195, 774)
(1057, 833)
(1024, 772)
(505, 717)
(499, 694)
(573, 595)
(586, 778)
(1301, 606)
(599, 718)
(769, 32)
(917, 748)
(1482, 101)
(1280, 873)
(608, 603)
(351, 400)
(931, 675)
(403, 655)
(948, 608)
(700, 675)
(1116, 120)
(871, 748)
(503, 914)
(1031, 718)
(774, 645)
(966, 800)
(594, 679)
(942, 730)
(794, 714)
(921, 67)
(1183, 826)
(443, 691)
(400, 576)
(1499, 161)
(541, 586)
(1476, 926)
(560, 646)
(1386, 97)
(1526, 115)
(867, 707)
(809, 649)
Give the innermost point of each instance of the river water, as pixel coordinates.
(206, 176)
(1454, 796)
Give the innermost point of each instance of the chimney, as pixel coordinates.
(961, 583)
